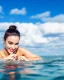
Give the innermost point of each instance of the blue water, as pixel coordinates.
(51, 68)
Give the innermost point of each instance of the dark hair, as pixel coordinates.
(12, 30)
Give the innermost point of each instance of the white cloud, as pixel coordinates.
(46, 17)
(52, 28)
(58, 18)
(1, 9)
(4, 25)
(53, 38)
(33, 34)
(1, 12)
(42, 15)
(17, 11)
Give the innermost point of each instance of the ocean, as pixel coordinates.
(51, 68)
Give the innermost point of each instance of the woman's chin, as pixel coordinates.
(10, 52)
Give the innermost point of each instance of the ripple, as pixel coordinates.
(59, 78)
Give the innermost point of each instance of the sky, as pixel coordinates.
(40, 22)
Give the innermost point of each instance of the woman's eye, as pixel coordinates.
(10, 42)
(16, 43)
(13, 43)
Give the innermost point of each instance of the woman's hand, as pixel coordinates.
(23, 58)
(12, 57)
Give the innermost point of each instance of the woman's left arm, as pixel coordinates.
(29, 55)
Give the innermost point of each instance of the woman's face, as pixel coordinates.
(11, 43)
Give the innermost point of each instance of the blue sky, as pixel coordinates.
(28, 8)
(40, 22)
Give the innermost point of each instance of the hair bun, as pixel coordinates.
(13, 27)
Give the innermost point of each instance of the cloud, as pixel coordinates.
(52, 28)
(42, 15)
(33, 34)
(30, 34)
(1, 10)
(17, 11)
(58, 18)
(46, 17)
(4, 26)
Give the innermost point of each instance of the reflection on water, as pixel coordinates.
(18, 71)
(51, 69)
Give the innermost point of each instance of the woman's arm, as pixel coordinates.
(0, 56)
(29, 55)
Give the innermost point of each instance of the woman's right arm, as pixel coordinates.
(11, 56)
(1, 56)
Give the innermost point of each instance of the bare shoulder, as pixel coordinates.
(1, 51)
(22, 49)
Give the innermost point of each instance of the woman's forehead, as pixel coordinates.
(12, 38)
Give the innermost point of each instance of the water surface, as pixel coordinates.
(52, 68)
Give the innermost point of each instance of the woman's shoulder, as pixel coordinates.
(21, 49)
(1, 51)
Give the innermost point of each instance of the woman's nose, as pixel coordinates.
(13, 46)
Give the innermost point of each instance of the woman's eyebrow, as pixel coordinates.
(12, 42)
(17, 43)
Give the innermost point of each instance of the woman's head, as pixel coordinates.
(11, 39)
(12, 31)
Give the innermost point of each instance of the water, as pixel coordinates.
(52, 68)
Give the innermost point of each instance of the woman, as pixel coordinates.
(12, 49)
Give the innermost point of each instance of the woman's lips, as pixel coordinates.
(11, 50)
